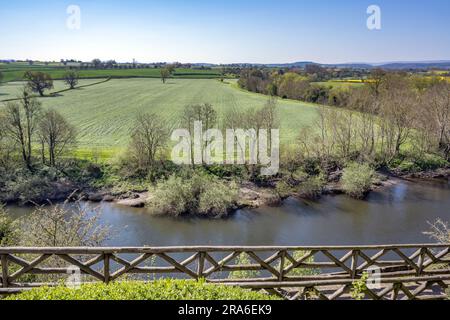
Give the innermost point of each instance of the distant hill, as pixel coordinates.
(442, 64)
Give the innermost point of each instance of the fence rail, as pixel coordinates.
(309, 272)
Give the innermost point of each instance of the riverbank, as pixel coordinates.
(253, 196)
(250, 195)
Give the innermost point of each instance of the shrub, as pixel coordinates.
(198, 193)
(157, 290)
(421, 163)
(357, 180)
(283, 189)
(8, 229)
(312, 187)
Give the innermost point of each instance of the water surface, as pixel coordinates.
(394, 215)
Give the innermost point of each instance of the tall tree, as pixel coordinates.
(21, 122)
(149, 136)
(56, 135)
(198, 112)
(38, 81)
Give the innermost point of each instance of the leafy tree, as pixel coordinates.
(165, 74)
(71, 79)
(39, 81)
(97, 63)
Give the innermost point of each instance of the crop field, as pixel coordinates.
(15, 72)
(104, 113)
(342, 84)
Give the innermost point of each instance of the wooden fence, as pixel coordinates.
(395, 271)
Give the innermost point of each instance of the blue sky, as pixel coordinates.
(219, 31)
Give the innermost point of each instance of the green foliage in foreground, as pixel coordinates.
(157, 290)
(357, 179)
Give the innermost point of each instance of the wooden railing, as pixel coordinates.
(401, 271)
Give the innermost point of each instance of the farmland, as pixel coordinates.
(104, 113)
(15, 72)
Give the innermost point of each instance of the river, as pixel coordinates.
(398, 214)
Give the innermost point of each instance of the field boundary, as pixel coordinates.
(53, 94)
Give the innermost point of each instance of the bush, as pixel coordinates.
(8, 229)
(312, 187)
(425, 162)
(157, 290)
(357, 180)
(198, 193)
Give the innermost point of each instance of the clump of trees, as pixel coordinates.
(388, 118)
(38, 82)
(23, 123)
(292, 84)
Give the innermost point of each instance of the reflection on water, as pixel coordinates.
(396, 215)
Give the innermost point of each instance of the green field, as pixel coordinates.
(15, 72)
(340, 84)
(104, 113)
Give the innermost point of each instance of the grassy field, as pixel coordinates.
(15, 72)
(341, 84)
(104, 113)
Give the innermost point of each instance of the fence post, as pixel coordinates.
(201, 264)
(4, 271)
(106, 271)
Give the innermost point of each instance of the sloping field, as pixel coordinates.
(104, 113)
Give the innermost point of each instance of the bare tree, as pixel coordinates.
(71, 79)
(56, 135)
(7, 146)
(438, 99)
(149, 137)
(21, 122)
(198, 112)
(398, 104)
(39, 81)
(58, 226)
